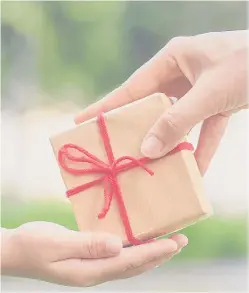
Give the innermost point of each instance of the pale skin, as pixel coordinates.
(208, 74)
(55, 254)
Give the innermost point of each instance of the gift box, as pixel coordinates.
(114, 189)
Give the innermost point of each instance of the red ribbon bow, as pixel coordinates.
(109, 173)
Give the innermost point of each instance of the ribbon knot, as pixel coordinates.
(108, 173)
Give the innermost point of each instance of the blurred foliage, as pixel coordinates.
(210, 239)
(74, 43)
(94, 46)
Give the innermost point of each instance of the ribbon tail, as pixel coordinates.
(124, 215)
(108, 195)
(183, 146)
(83, 187)
(133, 163)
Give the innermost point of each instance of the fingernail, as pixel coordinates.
(114, 245)
(184, 242)
(152, 146)
(178, 251)
(181, 240)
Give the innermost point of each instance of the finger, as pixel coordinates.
(74, 272)
(134, 257)
(145, 268)
(88, 245)
(180, 239)
(149, 266)
(117, 98)
(88, 272)
(72, 244)
(198, 104)
(211, 134)
(152, 77)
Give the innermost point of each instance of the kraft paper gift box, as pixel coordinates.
(152, 206)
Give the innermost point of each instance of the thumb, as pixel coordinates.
(91, 245)
(197, 105)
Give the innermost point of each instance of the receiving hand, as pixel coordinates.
(50, 252)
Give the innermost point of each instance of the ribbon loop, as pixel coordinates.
(134, 162)
(64, 156)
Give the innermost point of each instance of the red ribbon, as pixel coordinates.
(108, 171)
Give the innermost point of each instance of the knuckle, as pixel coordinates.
(177, 43)
(91, 247)
(126, 89)
(22, 241)
(21, 237)
(130, 266)
(96, 247)
(168, 124)
(168, 129)
(169, 119)
(133, 265)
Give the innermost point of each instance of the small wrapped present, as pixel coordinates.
(114, 189)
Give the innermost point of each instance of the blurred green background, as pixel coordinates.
(94, 46)
(214, 238)
(86, 49)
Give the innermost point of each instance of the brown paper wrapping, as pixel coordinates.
(157, 205)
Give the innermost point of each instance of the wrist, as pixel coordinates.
(9, 252)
